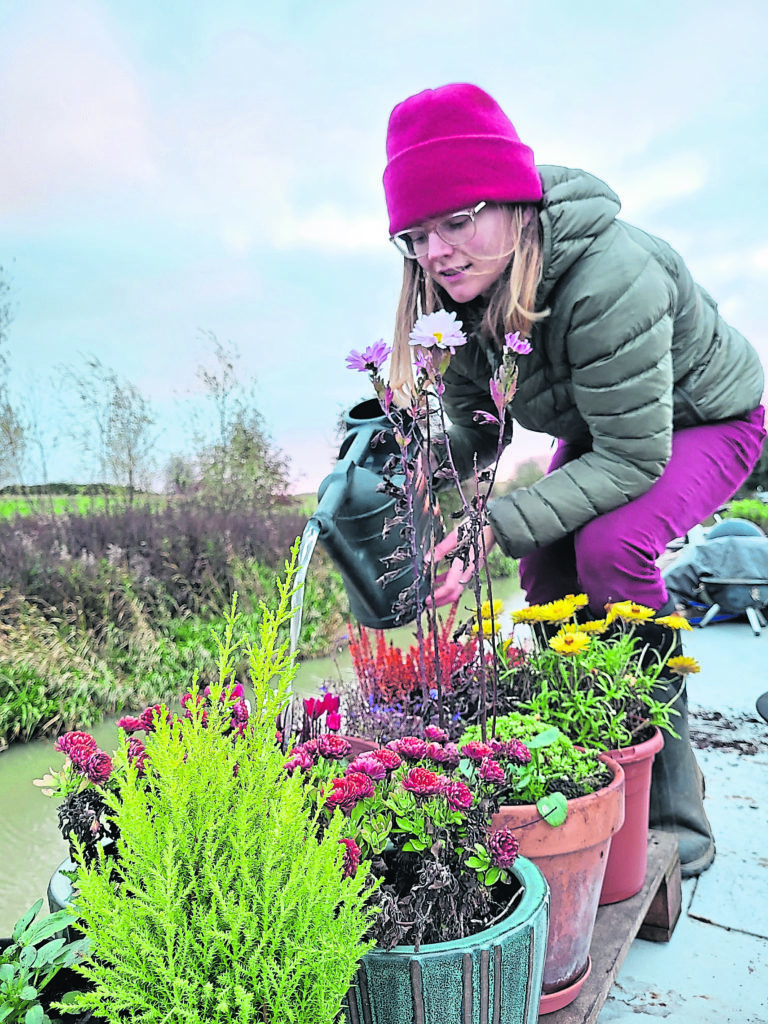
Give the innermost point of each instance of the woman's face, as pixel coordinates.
(469, 269)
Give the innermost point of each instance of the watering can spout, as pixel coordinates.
(351, 515)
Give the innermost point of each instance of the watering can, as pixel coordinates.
(351, 515)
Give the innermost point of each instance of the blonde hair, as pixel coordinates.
(510, 304)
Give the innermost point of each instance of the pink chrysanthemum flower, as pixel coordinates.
(412, 748)
(491, 771)
(458, 795)
(423, 782)
(476, 751)
(368, 765)
(98, 767)
(436, 734)
(351, 857)
(503, 848)
(334, 748)
(517, 752)
(129, 723)
(436, 752)
(389, 758)
(347, 792)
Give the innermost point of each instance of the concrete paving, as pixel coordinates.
(714, 970)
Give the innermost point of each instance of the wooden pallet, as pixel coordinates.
(651, 914)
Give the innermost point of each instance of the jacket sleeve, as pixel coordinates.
(619, 347)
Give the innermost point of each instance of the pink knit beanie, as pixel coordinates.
(450, 148)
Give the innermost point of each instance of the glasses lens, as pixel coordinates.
(411, 244)
(457, 229)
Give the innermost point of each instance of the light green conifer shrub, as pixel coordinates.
(225, 905)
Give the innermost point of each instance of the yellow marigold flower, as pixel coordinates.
(533, 613)
(558, 611)
(489, 627)
(578, 600)
(683, 666)
(569, 642)
(674, 621)
(485, 608)
(595, 626)
(629, 611)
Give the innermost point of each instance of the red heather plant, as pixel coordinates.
(420, 811)
(388, 674)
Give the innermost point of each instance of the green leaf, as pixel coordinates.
(34, 1015)
(5, 1011)
(48, 926)
(476, 863)
(7, 972)
(48, 952)
(543, 739)
(414, 846)
(24, 922)
(27, 956)
(553, 808)
(492, 876)
(29, 992)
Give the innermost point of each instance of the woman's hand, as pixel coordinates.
(450, 584)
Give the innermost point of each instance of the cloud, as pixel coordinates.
(74, 118)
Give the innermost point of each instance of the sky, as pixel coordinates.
(178, 170)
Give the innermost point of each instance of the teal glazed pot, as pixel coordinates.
(493, 977)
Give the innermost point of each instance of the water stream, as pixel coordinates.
(30, 845)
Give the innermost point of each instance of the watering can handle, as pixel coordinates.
(337, 483)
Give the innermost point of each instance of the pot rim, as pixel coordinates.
(535, 893)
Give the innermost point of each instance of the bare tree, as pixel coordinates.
(13, 437)
(111, 423)
(239, 464)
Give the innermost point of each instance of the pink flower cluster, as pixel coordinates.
(328, 705)
(84, 754)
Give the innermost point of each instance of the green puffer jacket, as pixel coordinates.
(632, 349)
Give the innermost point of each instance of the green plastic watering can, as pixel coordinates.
(351, 516)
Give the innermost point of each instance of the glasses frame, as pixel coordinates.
(398, 239)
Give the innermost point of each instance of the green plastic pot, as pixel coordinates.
(493, 977)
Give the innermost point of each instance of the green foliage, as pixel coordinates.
(749, 508)
(33, 959)
(557, 769)
(224, 904)
(602, 697)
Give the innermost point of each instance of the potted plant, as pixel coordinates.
(565, 817)
(454, 902)
(222, 899)
(595, 681)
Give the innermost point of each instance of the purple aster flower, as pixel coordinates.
(439, 330)
(370, 359)
(517, 344)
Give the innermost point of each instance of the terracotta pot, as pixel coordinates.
(493, 976)
(628, 856)
(572, 858)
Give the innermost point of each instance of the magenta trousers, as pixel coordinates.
(614, 556)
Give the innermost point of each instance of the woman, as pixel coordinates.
(654, 399)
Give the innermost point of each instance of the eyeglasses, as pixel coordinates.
(454, 230)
